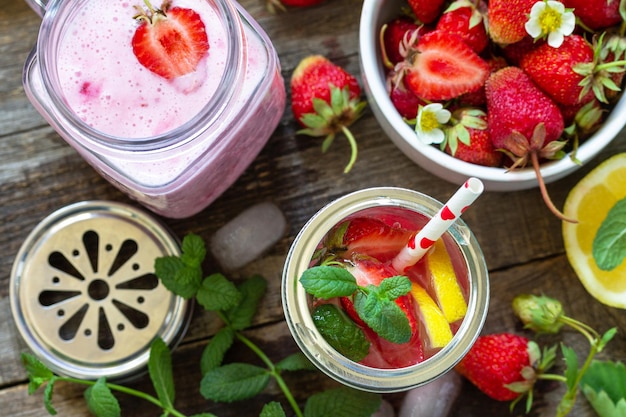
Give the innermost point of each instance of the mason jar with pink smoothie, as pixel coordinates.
(170, 101)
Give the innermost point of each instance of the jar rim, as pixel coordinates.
(56, 14)
(319, 351)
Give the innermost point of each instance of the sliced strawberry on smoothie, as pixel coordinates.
(170, 41)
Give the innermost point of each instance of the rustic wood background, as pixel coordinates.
(521, 241)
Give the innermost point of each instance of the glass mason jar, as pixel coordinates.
(297, 303)
(173, 145)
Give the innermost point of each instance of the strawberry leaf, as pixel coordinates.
(340, 332)
(571, 363)
(604, 386)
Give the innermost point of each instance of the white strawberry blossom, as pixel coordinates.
(430, 119)
(550, 18)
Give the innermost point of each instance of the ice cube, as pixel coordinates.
(248, 235)
(434, 399)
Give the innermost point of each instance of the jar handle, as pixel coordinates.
(39, 6)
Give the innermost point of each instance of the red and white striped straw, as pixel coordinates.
(419, 244)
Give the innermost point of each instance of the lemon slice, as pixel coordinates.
(436, 325)
(590, 202)
(444, 283)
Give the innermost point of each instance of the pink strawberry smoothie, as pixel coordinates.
(201, 149)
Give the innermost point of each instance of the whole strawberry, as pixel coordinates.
(524, 122)
(596, 14)
(395, 35)
(554, 69)
(466, 20)
(468, 140)
(426, 11)
(503, 365)
(507, 19)
(170, 41)
(325, 100)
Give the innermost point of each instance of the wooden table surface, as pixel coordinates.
(521, 240)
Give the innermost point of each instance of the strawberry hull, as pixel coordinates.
(173, 144)
(390, 366)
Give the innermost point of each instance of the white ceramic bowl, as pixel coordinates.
(377, 12)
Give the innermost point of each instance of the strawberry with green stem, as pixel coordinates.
(170, 41)
(543, 314)
(525, 123)
(325, 100)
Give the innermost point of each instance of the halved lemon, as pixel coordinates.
(444, 283)
(591, 202)
(436, 325)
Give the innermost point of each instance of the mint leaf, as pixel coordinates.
(341, 332)
(328, 282)
(218, 293)
(160, 370)
(609, 244)
(383, 315)
(295, 362)
(395, 287)
(234, 382)
(47, 397)
(342, 402)
(100, 401)
(272, 409)
(193, 250)
(214, 352)
(252, 291)
(178, 277)
(38, 373)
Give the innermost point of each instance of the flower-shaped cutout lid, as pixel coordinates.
(84, 295)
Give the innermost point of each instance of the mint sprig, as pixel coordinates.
(341, 332)
(236, 304)
(375, 305)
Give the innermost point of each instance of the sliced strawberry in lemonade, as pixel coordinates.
(369, 236)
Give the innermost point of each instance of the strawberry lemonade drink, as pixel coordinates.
(168, 101)
(366, 323)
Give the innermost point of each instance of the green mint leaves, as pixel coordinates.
(375, 305)
(341, 332)
(609, 245)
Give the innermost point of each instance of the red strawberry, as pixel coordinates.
(427, 11)
(514, 52)
(507, 19)
(443, 67)
(395, 35)
(383, 353)
(170, 42)
(468, 140)
(524, 122)
(467, 21)
(477, 98)
(315, 83)
(596, 14)
(553, 69)
(405, 101)
(497, 360)
(368, 236)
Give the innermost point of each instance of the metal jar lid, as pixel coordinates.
(84, 294)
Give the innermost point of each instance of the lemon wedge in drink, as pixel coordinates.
(436, 325)
(596, 245)
(444, 283)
